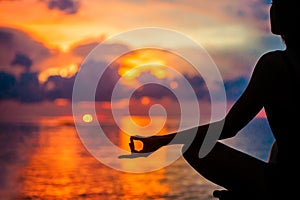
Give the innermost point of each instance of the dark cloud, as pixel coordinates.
(67, 6)
(107, 83)
(18, 48)
(199, 86)
(154, 91)
(7, 85)
(58, 87)
(234, 88)
(25, 89)
(23, 60)
(6, 38)
(28, 88)
(84, 49)
(157, 89)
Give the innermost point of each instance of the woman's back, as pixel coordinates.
(282, 105)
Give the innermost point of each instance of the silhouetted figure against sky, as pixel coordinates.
(274, 86)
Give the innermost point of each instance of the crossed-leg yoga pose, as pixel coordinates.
(274, 86)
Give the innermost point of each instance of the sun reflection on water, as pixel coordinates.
(59, 167)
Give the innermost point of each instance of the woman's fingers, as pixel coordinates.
(136, 138)
(132, 149)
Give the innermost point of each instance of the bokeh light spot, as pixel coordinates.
(174, 85)
(87, 118)
(145, 100)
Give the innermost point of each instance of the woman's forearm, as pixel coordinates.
(186, 136)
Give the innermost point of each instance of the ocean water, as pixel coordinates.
(46, 160)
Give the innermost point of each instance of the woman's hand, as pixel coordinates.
(150, 145)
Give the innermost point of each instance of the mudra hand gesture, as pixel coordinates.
(150, 145)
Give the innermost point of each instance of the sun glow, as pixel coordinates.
(64, 72)
(133, 64)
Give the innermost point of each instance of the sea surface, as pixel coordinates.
(46, 160)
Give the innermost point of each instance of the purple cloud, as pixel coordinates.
(23, 60)
(67, 6)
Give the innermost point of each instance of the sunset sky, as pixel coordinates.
(50, 47)
(50, 39)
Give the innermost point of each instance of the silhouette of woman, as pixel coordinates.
(274, 86)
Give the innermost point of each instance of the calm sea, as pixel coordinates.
(47, 160)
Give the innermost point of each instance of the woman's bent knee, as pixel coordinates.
(191, 155)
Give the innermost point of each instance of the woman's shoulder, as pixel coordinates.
(272, 56)
(271, 60)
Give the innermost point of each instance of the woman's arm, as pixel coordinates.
(250, 102)
(241, 113)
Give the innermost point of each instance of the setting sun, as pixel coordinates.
(133, 64)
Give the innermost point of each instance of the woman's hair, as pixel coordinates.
(287, 15)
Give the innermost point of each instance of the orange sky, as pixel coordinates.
(202, 20)
(222, 27)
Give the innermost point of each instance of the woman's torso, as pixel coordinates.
(282, 104)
